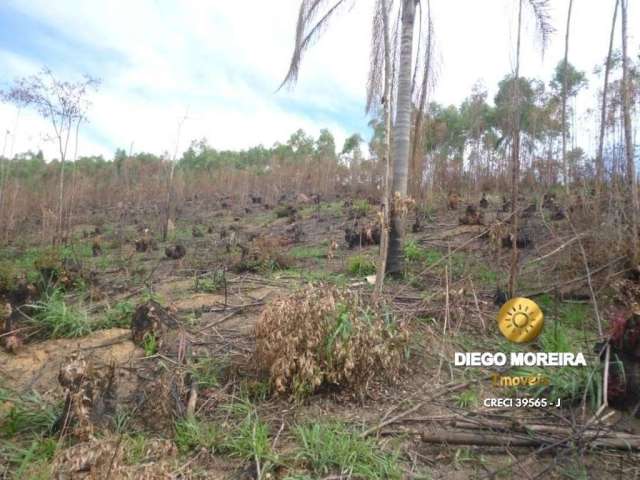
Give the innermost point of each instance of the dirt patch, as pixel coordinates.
(36, 366)
(199, 301)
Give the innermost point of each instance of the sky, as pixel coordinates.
(218, 63)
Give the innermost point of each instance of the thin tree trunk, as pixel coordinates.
(401, 140)
(384, 241)
(63, 154)
(565, 82)
(603, 112)
(628, 139)
(74, 176)
(414, 168)
(515, 164)
(170, 193)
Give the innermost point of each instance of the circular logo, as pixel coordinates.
(520, 320)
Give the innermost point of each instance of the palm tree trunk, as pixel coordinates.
(628, 139)
(515, 163)
(401, 140)
(603, 112)
(565, 82)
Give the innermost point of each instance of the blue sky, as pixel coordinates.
(221, 61)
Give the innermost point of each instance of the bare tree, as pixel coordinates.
(628, 137)
(603, 112)
(544, 29)
(414, 168)
(170, 180)
(63, 104)
(565, 84)
(382, 53)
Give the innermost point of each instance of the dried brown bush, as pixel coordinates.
(323, 336)
(263, 254)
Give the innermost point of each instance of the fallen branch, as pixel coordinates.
(417, 406)
(575, 280)
(615, 440)
(477, 438)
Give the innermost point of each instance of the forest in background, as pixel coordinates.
(293, 312)
(463, 149)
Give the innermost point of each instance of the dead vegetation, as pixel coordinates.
(217, 345)
(323, 337)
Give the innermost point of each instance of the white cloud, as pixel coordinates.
(223, 61)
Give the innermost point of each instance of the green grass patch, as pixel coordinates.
(361, 266)
(119, 316)
(135, 447)
(59, 319)
(25, 414)
(414, 252)
(569, 314)
(193, 434)
(32, 460)
(483, 274)
(250, 440)
(208, 371)
(254, 390)
(331, 448)
(466, 399)
(210, 282)
(313, 276)
(567, 383)
(361, 207)
(303, 251)
(150, 344)
(432, 256)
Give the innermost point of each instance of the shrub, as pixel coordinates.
(285, 211)
(265, 254)
(209, 283)
(361, 208)
(361, 266)
(413, 252)
(324, 336)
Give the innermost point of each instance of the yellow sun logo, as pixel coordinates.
(520, 320)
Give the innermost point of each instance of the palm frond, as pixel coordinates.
(306, 34)
(375, 82)
(543, 21)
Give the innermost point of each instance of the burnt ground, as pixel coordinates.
(217, 292)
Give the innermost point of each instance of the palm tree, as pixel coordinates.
(401, 140)
(312, 19)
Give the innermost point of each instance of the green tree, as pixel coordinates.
(326, 145)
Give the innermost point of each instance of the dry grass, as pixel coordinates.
(323, 336)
